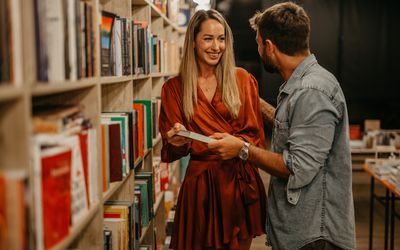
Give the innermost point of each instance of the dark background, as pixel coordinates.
(357, 40)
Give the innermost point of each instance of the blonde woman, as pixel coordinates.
(221, 204)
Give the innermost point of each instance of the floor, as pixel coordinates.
(361, 193)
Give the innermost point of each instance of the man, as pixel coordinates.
(310, 202)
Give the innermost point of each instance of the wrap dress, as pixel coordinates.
(220, 201)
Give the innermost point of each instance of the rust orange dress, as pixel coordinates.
(220, 202)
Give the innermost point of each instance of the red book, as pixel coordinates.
(115, 152)
(104, 157)
(140, 123)
(56, 195)
(83, 141)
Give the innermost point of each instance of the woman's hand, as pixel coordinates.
(177, 140)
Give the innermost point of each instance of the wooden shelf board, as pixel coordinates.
(9, 92)
(139, 2)
(157, 140)
(159, 198)
(115, 186)
(145, 230)
(41, 89)
(140, 77)
(158, 75)
(155, 12)
(115, 79)
(78, 228)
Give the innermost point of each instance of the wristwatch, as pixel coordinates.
(244, 151)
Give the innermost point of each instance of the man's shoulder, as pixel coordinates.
(320, 79)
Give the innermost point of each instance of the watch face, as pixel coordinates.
(244, 153)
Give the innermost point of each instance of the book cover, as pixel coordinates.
(117, 228)
(122, 212)
(149, 122)
(195, 136)
(140, 127)
(56, 191)
(13, 209)
(115, 152)
(79, 196)
(107, 22)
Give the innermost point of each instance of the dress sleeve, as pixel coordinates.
(252, 129)
(170, 113)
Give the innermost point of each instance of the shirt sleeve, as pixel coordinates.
(312, 118)
(171, 113)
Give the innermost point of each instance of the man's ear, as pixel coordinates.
(270, 47)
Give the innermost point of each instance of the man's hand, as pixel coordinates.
(177, 140)
(226, 146)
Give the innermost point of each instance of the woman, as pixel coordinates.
(221, 204)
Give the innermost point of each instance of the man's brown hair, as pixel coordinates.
(287, 25)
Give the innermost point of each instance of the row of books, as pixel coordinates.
(119, 225)
(65, 40)
(164, 55)
(124, 220)
(115, 45)
(10, 48)
(13, 209)
(126, 136)
(150, 53)
(116, 59)
(64, 156)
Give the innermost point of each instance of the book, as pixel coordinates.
(13, 209)
(117, 228)
(52, 185)
(195, 136)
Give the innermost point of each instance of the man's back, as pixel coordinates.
(311, 131)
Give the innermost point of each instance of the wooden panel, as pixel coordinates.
(14, 135)
(116, 97)
(142, 89)
(121, 8)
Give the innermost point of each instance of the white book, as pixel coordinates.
(55, 40)
(73, 74)
(79, 206)
(117, 46)
(93, 166)
(16, 41)
(195, 136)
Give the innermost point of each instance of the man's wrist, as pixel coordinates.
(244, 151)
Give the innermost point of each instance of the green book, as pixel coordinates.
(149, 122)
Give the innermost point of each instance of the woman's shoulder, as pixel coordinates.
(242, 73)
(173, 83)
(245, 78)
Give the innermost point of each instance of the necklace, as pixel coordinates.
(203, 85)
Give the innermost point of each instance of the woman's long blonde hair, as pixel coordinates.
(225, 69)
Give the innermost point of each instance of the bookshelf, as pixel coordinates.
(24, 94)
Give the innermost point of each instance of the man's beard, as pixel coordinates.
(268, 66)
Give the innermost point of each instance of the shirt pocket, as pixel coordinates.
(280, 136)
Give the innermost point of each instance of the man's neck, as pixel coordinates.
(288, 64)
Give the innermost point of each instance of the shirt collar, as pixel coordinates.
(288, 86)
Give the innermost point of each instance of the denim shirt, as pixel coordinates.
(311, 132)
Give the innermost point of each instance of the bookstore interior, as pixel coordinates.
(80, 166)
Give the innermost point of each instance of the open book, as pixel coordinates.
(195, 136)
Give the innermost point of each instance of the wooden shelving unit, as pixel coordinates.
(97, 94)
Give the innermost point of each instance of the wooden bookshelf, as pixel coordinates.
(96, 93)
(9, 92)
